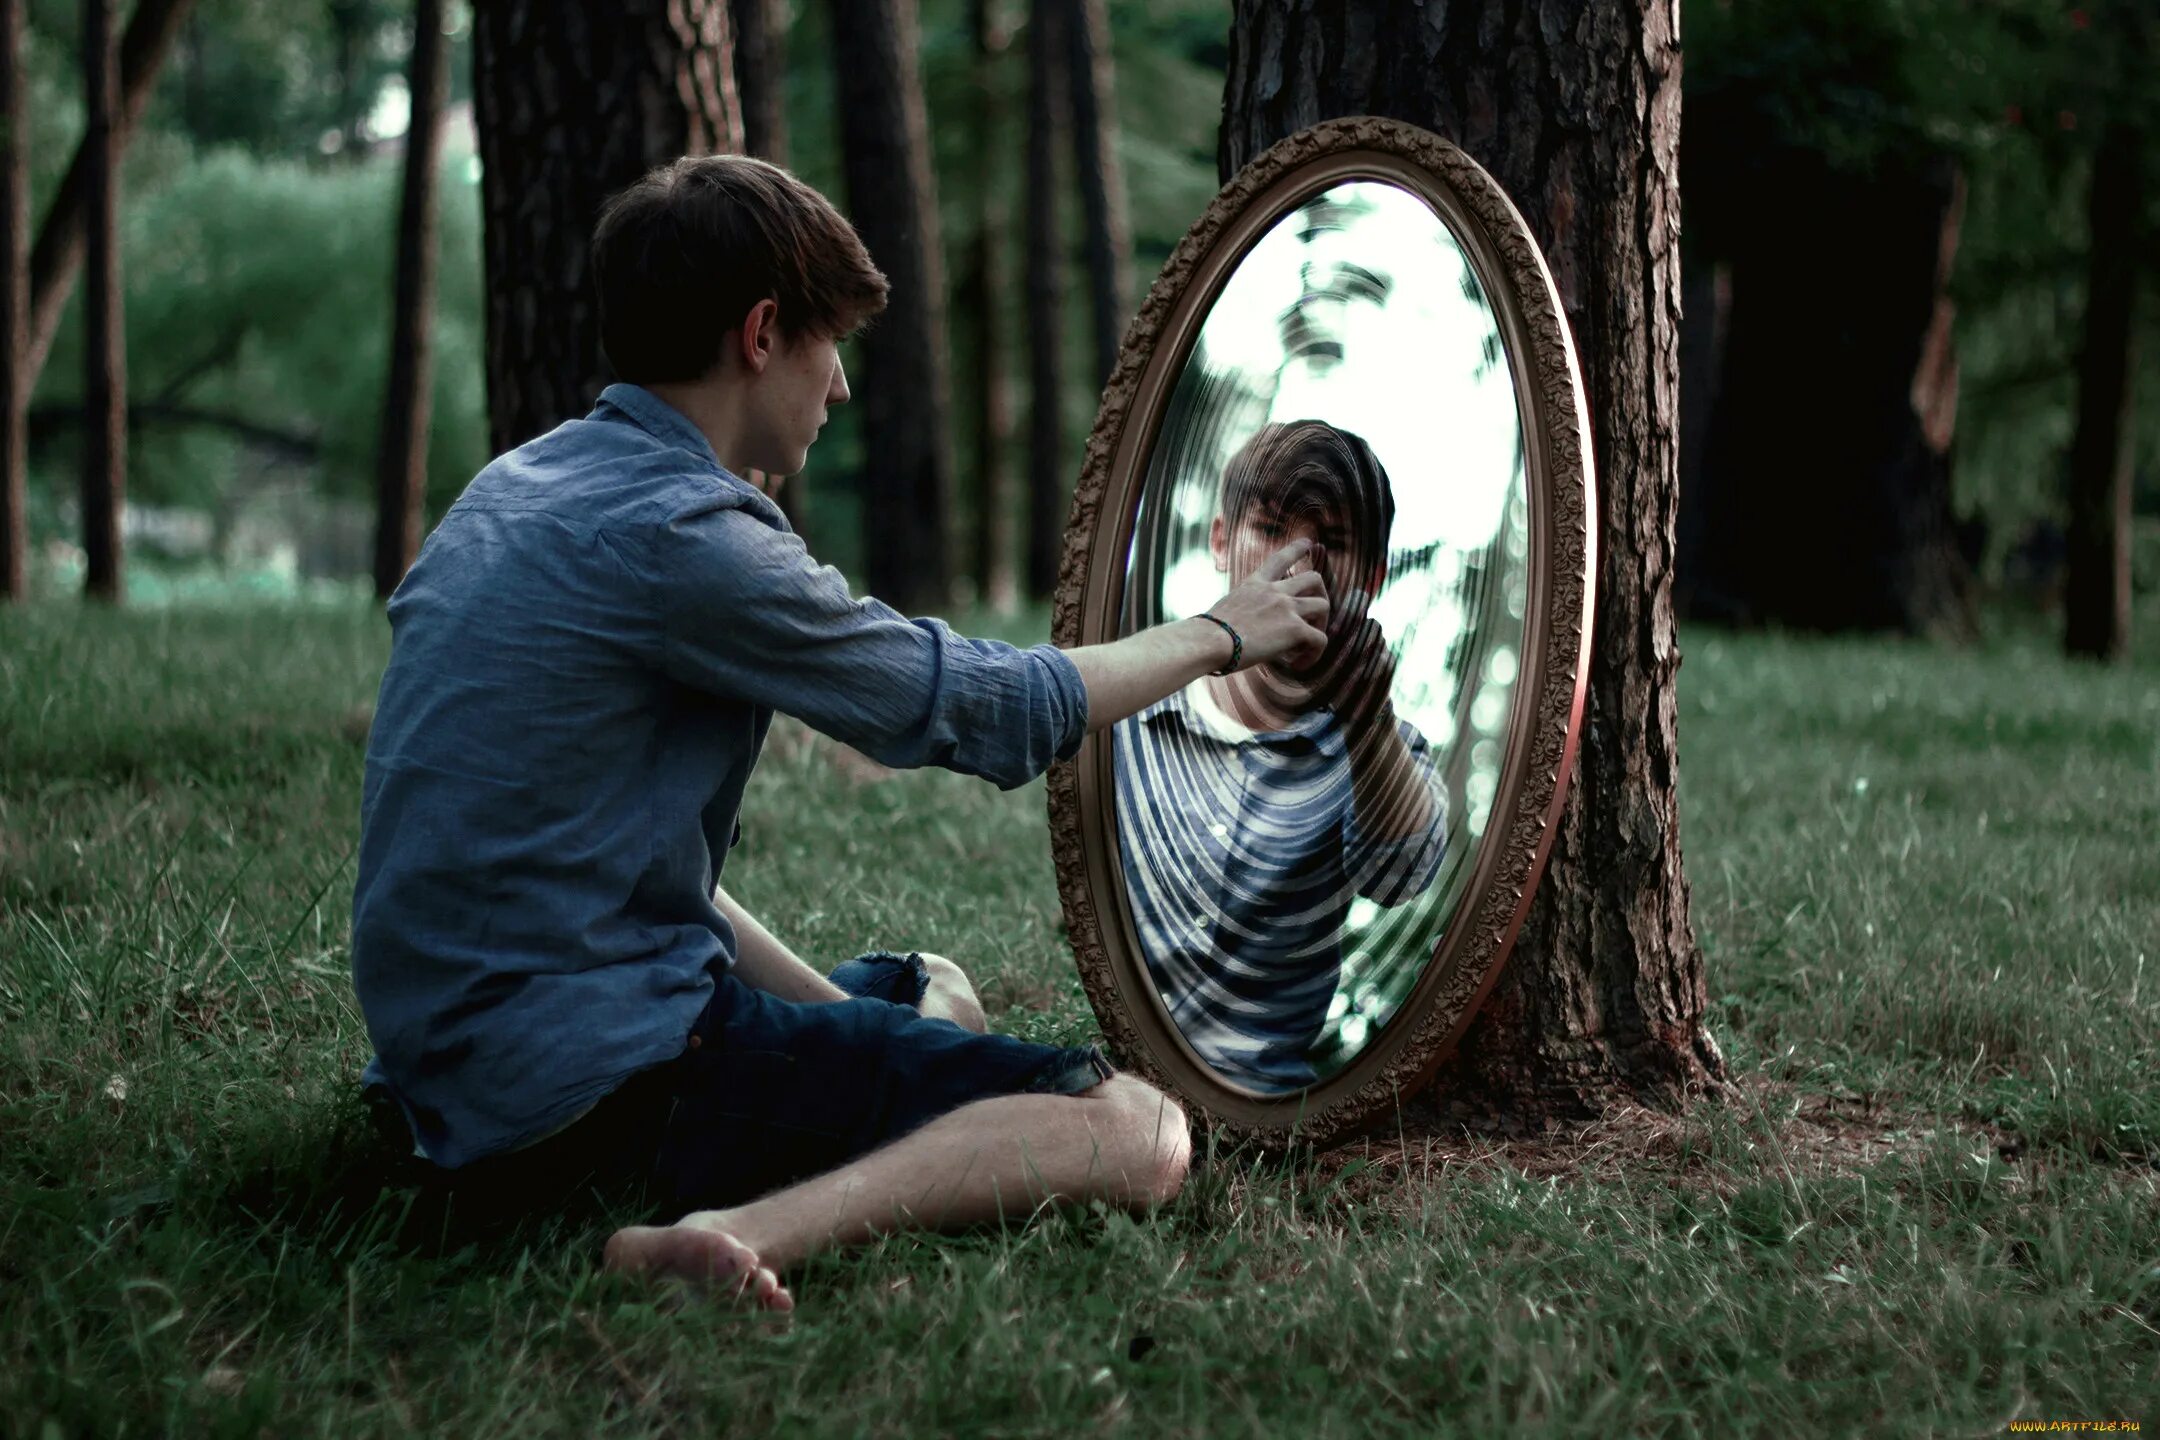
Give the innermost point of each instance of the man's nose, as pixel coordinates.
(838, 394)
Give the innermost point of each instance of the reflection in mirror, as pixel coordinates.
(1294, 844)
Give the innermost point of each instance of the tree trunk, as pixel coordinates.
(59, 250)
(1705, 304)
(2096, 589)
(104, 461)
(1047, 113)
(348, 18)
(761, 81)
(1840, 348)
(14, 306)
(983, 305)
(1574, 107)
(1093, 89)
(573, 103)
(401, 459)
(885, 153)
(761, 77)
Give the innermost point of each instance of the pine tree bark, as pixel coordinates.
(2096, 586)
(401, 456)
(1574, 107)
(1045, 266)
(104, 463)
(58, 253)
(14, 306)
(982, 304)
(574, 102)
(761, 84)
(885, 154)
(761, 77)
(1093, 89)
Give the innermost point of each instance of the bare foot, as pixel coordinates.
(700, 1254)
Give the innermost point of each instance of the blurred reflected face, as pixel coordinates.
(1266, 526)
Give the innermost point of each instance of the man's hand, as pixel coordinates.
(1279, 615)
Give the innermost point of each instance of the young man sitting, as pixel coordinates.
(585, 660)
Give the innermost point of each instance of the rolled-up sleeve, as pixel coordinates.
(746, 613)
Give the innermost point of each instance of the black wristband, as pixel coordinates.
(1237, 644)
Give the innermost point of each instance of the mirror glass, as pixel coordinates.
(1294, 844)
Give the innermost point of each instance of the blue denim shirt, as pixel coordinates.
(584, 662)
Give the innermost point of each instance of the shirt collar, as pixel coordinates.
(1316, 727)
(670, 426)
(659, 419)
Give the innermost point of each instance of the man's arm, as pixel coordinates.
(1392, 793)
(763, 963)
(1275, 613)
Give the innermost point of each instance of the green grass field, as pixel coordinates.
(1928, 885)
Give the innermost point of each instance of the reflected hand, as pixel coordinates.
(1279, 615)
(1358, 683)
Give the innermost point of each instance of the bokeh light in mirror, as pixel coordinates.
(1292, 852)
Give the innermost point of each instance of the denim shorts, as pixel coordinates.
(769, 1091)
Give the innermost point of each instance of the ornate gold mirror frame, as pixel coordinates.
(1542, 729)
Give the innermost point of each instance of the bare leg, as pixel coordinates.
(1123, 1142)
(951, 997)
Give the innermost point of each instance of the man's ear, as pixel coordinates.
(759, 336)
(1218, 542)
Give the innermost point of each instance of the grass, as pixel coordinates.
(1927, 883)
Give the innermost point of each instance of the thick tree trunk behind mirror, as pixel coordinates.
(1574, 108)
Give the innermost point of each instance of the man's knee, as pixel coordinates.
(1158, 1128)
(950, 996)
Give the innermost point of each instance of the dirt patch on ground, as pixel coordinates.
(1763, 1125)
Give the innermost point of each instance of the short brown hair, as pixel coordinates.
(683, 254)
(1310, 464)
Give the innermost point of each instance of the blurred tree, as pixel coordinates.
(903, 397)
(761, 81)
(2096, 582)
(1092, 88)
(1833, 211)
(401, 464)
(104, 463)
(1574, 107)
(59, 249)
(980, 301)
(1048, 113)
(761, 76)
(14, 305)
(302, 81)
(2096, 589)
(574, 103)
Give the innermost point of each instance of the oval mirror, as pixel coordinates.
(1288, 892)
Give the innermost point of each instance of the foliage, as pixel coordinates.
(2018, 91)
(294, 257)
(204, 1239)
(261, 289)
